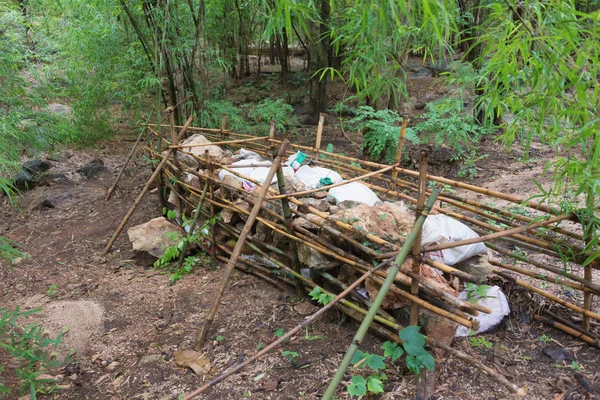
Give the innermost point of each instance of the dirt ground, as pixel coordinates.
(126, 320)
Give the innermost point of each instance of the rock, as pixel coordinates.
(420, 105)
(391, 222)
(293, 185)
(93, 169)
(215, 152)
(477, 266)
(304, 224)
(199, 363)
(151, 237)
(228, 160)
(334, 210)
(150, 358)
(113, 366)
(321, 205)
(56, 108)
(305, 308)
(228, 214)
(348, 204)
(36, 166)
(28, 176)
(320, 195)
(234, 183)
(435, 326)
(313, 259)
(52, 179)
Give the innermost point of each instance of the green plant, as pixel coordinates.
(575, 366)
(279, 332)
(320, 296)
(467, 159)
(52, 290)
(289, 355)
(479, 341)
(380, 132)
(29, 353)
(271, 110)
(219, 338)
(315, 337)
(545, 339)
(476, 292)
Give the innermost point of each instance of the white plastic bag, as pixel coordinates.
(354, 191)
(496, 300)
(258, 174)
(443, 229)
(296, 160)
(244, 154)
(311, 176)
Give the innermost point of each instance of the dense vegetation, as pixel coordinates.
(532, 67)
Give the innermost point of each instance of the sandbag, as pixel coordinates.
(354, 191)
(311, 176)
(496, 300)
(443, 229)
(256, 173)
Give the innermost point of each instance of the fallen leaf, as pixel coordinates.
(271, 384)
(199, 363)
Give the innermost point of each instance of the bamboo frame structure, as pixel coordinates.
(546, 231)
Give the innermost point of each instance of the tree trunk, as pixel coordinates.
(319, 59)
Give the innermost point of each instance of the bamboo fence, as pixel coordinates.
(554, 240)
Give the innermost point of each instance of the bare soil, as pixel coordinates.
(144, 319)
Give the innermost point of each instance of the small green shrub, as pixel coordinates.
(28, 352)
(267, 110)
(213, 110)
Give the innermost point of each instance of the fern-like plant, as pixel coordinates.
(276, 110)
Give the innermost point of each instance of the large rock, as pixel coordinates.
(214, 151)
(477, 266)
(320, 204)
(151, 237)
(93, 169)
(390, 221)
(315, 260)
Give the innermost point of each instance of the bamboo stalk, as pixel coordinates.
(307, 321)
(319, 135)
(569, 324)
(143, 192)
(568, 330)
(129, 157)
(238, 247)
(272, 130)
(364, 326)
(416, 265)
(547, 295)
(463, 276)
(285, 205)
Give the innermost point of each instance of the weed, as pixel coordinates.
(479, 341)
(260, 346)
(545, 339)
(320, 296)
(289, 355)
(476, 292)
(575, 366)
(52, 291)
(316, 337)
(219, 338)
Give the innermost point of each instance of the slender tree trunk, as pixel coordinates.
(319, 59)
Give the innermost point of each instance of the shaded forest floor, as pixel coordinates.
(126, 320)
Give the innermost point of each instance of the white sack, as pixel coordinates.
(311, 176)
(244, 154)
(443, 229)
(354, 191)
(258, 174)
(496, 300)
(251, 163)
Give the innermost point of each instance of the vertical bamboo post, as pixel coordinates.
(364, 326)
(399, 150)
(414, 288)
(588, 237)
(319, 135)
(223, 122)
(287, 214)
(238, 246)
(272, 130)
(213, 227)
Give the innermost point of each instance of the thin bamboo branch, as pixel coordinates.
(569, 330)
(416, 265)
(225, 142)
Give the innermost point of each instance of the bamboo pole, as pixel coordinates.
(547, 295)
(285, 205)
(272, 130)
(143, 192)
(307, 321)
(129, 157)
(563, 321)
(557, 271)
(416, 266)
(223, 122)
(568, 330)
(463, 276)
(334, 185)
(224, 142)
(364, 326)
(319, 135)
(238, 247)
(507, 232)
(399, 150)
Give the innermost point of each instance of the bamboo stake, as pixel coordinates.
(223, 121)
(129, 157)
(272, 130)
(563, 321)
(507, 232)
(238, 247)
(285, 205)
(319, 134)
(569, 330)
(547, 295)
(143, 192)
(416, 267)
(463, 276)
(364, 326)
(186, 244)
(399, 150)
(307, 321)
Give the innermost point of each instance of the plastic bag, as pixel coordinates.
(354, 191)
(244, 154)
(443, 229)
(258, 174)
(496, 300)
(311, 176)
(295, 161)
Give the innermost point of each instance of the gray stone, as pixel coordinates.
(315, 260)
(477, 266)
(150, 358)
(215, 152)
(151, 237)
(93, 169)
(348, 204)
(320, 204)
